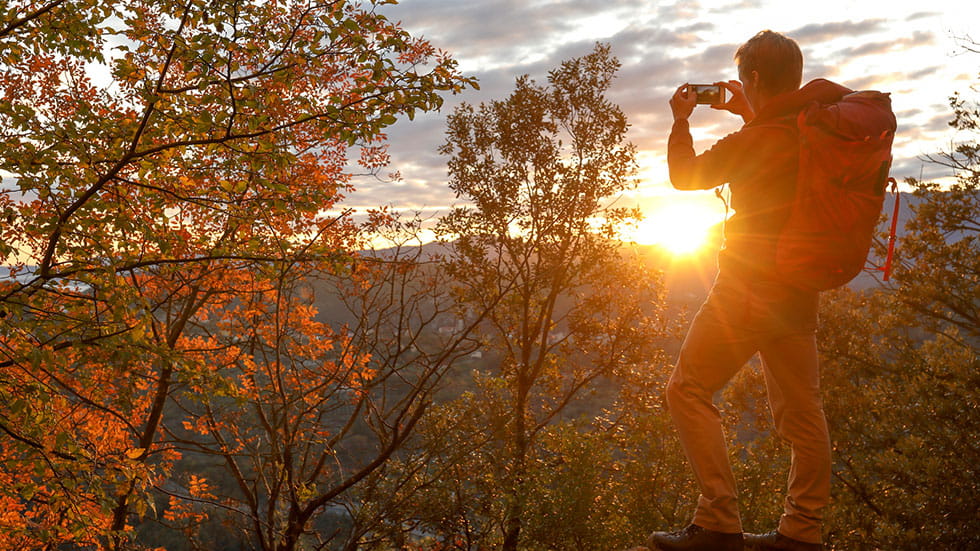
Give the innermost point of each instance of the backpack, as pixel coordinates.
(845, 155)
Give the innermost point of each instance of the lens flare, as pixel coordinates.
(681, 229)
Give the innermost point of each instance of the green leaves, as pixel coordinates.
(191, 176)
(563, 315)
(564, 138)
(901, 377)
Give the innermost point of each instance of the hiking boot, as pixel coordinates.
(774, 541)
(694, 538)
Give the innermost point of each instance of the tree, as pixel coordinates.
(901, 375)
(297, 411)
(535, 246)
(170, 165)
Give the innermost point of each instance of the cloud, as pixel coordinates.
(641, 39)
(920, 133)
(660, 46)
(922, 15)
(919, 38)
(743, 5)
(488, 33)
(816, 68)
(823, 32)
(918, 167)
(871, 48)
(679, 11)
(425, 194)
(506, 33)
(938, 123)
(908, 113)
(509, 38)
(867, 82)
(922, 73)
(417, 140)
(715, 62)
(643, 85)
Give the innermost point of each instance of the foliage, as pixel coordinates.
(309, 411)
(901, 376)
(568, 313)
(168, 171)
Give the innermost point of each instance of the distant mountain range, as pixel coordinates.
(689, 278)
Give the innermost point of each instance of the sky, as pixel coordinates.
(909, 49)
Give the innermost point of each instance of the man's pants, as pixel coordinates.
(737, 320)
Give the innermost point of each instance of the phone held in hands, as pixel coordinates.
(708, 94)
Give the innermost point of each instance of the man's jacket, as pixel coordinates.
(760, 163)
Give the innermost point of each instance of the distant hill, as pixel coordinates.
(688, 278)
(907, 202)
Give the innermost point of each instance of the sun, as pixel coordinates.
(682, 228)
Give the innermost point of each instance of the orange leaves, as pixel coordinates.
(374, 157)
(101, 436)
(170, 209)
(217, 124)
(198, 487)
(12, 507)
(136, 453)
(199, 425)
(38, 510)
(190, 514)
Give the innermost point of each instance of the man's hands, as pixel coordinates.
(738, 102)
(684, 100)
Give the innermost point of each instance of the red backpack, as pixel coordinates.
(845, 155)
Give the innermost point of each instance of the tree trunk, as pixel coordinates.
(514, 515)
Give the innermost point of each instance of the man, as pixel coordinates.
(750, 309)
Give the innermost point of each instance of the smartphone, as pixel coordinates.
(709, 94)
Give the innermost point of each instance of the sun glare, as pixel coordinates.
(679, 228)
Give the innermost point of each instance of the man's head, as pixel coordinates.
(769, 64)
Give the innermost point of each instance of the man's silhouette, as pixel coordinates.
(750, 309)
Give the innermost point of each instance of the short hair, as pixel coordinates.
(776, 57)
